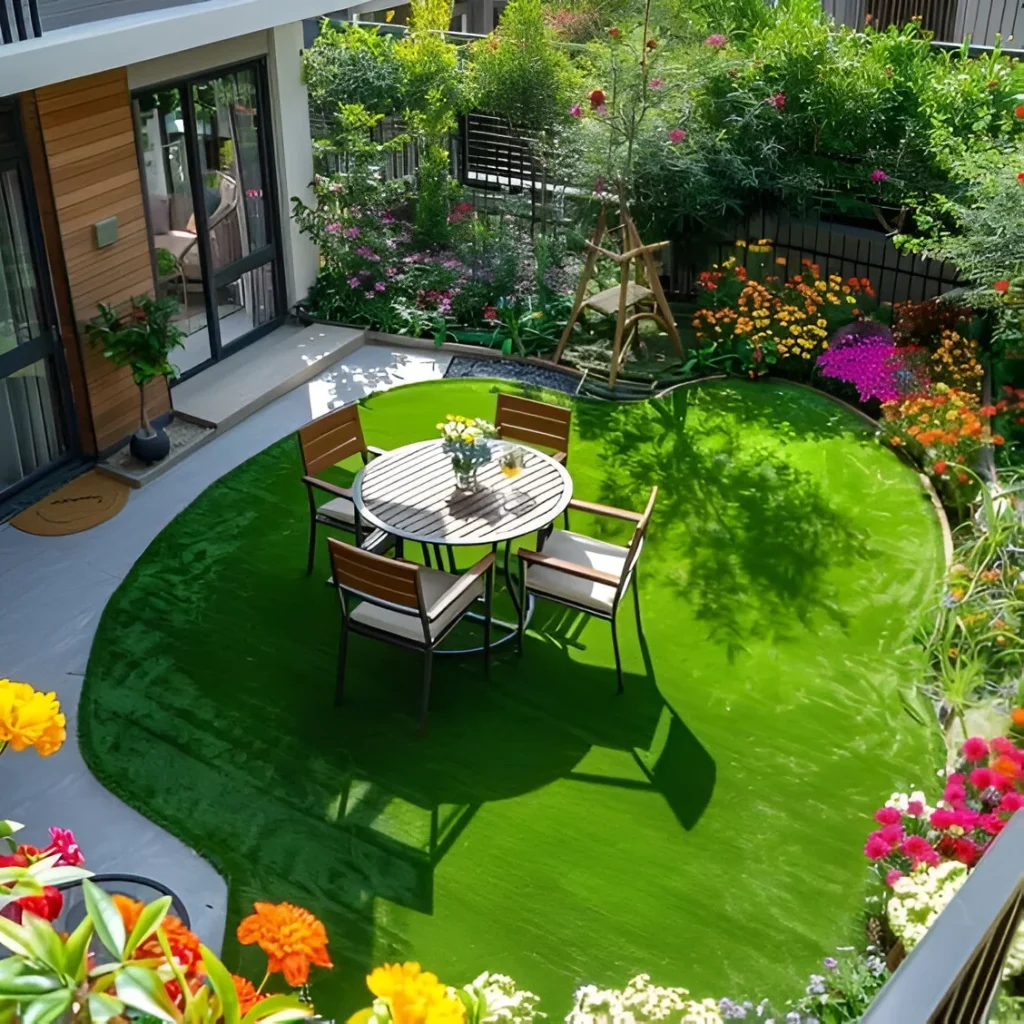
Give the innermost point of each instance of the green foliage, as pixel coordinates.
(521, 74)
(351, 64)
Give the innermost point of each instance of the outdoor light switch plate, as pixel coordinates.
(106, 232)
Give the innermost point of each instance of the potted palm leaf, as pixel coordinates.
(141, 337)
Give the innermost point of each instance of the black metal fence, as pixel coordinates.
(19, 20)
(981, 22)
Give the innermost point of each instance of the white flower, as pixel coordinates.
(502, 1002)
(641, 1002)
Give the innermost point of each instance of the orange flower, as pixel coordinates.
(291, 937)
(413, 995)
(248, 997)
(998, 439)
(1002, 286)
(1005, 766)
(184, 944)
(1019, 111)
(1017, 716)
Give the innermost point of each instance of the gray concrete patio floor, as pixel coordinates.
(53, 591)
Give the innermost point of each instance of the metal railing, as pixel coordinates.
(19, 20)
(953, 974)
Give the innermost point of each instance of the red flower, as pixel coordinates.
(614, 32)
(1019, 111)
(1020, 177)
(652, 44)
(942, 819)
(987, 410)
(991, 823)
(888, 816)
(876, 848)
(966, 819)
(966, 851)
(1011, 802)
(919, 850)
(13, 860)
(1002, 286)
(47, 906)
(975, 749)
(940, 467)
(597, 99)
(981, 778)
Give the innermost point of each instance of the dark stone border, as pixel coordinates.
(463, 367)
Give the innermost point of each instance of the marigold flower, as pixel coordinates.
(30, 718)
(1005, 766)
(1002, 286)
(291, 937)
(1017, 716)
(1019, 111)
(184, 944)
(413, 995)
(248, 997)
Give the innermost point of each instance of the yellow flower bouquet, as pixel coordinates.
(30, 718)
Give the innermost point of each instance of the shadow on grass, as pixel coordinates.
(756, 534)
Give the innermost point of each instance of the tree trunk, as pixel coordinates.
(143, 419)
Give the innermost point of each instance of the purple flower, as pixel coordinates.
(352, 232)
(676, 136)
(387, 218)
(602, 109)
(367, 253)
(333, 228)
(864, 354)
(576, 110)
(353, 282)
(831, 963)
(716, 41)
(656, 83)
(878, 176)
(380, 286)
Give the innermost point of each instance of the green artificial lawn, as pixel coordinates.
(705, 827)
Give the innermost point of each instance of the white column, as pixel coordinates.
(293, 153)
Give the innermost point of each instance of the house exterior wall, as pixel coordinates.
(173, 66)
(89, 140)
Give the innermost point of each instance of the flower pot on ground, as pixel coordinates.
(140, 336)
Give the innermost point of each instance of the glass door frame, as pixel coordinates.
(271, 253)
(48, 344)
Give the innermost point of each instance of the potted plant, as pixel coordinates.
(140, 337)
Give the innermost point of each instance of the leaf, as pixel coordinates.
(361, 1016)
(102, 1007)
(62, 875)
(46, 941)
(15, 938)
(28, 985)
(142, 989)
(76, 950)
(47, 1008)
(106, 918)
(220, 979)
(8, 827)
(278, 1008)
(148, 922)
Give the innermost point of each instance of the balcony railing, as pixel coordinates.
(952, 975)
(19, 20)
(28, 19)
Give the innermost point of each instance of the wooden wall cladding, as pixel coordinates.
(94, 173)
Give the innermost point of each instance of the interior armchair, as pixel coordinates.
(325, 442)
(584, 573)
(405, 604)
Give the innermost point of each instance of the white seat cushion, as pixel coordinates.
(409, 626)
(341, 510)
(580, 550)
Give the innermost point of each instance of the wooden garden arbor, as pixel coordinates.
(632, 299)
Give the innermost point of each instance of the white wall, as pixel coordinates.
(294, 153)
(202, 58)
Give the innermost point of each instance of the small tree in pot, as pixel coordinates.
(140, 336)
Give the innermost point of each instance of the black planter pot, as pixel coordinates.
(152, 447)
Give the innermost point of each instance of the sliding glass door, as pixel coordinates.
(33, 386)
(207, 166)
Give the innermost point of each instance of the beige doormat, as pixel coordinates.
(85, 502)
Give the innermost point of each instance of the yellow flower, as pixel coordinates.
(30, 718)
(414, 996)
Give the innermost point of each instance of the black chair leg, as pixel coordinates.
(452, 567)
(428, 665)
(339, 691)
(312, 544)
(426, 554)
(618, 658)
(636, 603)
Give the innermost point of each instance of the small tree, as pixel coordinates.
(140, 337)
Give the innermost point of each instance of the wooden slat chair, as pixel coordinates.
(325, 442)
(584, 573)
(405, 604)
(535, 423)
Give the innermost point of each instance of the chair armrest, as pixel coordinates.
(466, 581)
(375, 451)
(605, 510)
(323, 485)
(584, 572)
(560, 457)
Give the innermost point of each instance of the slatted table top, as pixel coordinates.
(410, 492)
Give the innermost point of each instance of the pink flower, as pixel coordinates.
(957, 778)
(991, 823)
(878, 176)
(915, 808)
(380, 286)
(576, 110)
(716, 41)
(892, 834)
(777, 100)
(1011, 802)
(352, 232)
(965, 818)
(353, 282)
(62, 841)
(387, 218)
(490, 313)
(966, 851)
(919, 850)
(892, 877)
(333, 228)
(981, 778)
(602, 110)
(888, 816)
(975, 748)
(656, 83)
(943, 819)
(876, 848)
(676, 136)
(953, 794)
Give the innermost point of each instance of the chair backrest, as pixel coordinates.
(331, 439)
(391, 582)
(523, 419)
(637, 543)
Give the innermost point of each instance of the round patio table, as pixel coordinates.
(410, 493)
